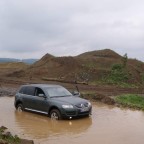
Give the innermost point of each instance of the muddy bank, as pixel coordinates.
(10, 91)
(6, 137)
(132, 103)
(99, 97)
(7, 91)
(108, 90)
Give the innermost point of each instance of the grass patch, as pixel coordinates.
(127, 85)
(8, 139)
(131, 100)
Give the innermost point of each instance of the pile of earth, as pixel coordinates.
(89, 67)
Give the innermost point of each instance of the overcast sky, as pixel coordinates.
(32, 28)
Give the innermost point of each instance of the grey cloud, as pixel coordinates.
(70, 27)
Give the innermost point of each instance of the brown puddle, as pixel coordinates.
(107, 125)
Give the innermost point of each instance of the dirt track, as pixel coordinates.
(9, 86)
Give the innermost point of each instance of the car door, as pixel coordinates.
(28, 95)
(40, 101)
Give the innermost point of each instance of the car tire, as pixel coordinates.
(20, 108)
(55, 114)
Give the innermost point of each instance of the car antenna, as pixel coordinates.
(77, 88)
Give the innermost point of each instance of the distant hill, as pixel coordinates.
(91, 66)
(27, 61)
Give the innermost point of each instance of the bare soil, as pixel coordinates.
(88, 67)
(83, 71)
(9, 86)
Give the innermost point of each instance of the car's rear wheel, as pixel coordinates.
(55, 114)
(20, 108)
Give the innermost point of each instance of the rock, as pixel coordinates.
(108, 100)
(3, 128)
(24, 141)
(3, 142)
(98, 96)
(6, 134)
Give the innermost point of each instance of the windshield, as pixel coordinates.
(58, 92)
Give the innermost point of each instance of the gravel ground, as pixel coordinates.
(6, 91)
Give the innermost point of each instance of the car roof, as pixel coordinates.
(42, 85)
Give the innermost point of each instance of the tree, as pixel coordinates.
(124, 60)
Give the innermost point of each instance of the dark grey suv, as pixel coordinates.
(54, 100)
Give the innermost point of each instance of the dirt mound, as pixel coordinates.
(54, 67)
(88, 67)
(136, 70)
(44, 60)
(106, 53)
(10, 67)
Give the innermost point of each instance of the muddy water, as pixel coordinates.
(108, 125)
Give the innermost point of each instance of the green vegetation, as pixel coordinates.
(128, 85)
(131, 100)
(118, 75)
(124, 60)
(9, 139)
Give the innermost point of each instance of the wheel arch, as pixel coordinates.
(53, 107)
(18, 102)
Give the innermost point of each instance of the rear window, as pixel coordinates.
(29, 90)
(22, 90)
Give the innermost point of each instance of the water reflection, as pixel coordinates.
(40, 126)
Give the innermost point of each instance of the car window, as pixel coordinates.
(39, 91)
(29, 90)
(57, 91)
(22, 90)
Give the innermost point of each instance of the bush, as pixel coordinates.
(118, 74)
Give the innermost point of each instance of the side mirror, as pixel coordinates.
(76, 93)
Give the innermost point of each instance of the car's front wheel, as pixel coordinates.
(55, 114)
(20, 107)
